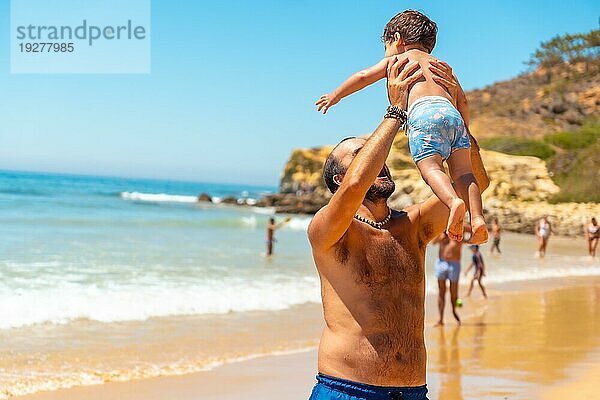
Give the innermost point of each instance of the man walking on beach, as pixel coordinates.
(370, 260)
(496, 233)
(447, 268)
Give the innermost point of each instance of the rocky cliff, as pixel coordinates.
(518, 193)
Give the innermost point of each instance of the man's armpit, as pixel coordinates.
(342, 252)
(426, 234)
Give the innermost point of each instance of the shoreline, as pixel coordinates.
(274, 376)
(516, 215)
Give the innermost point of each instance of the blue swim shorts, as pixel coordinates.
(435, 127)
(447, 270)
(330, 388)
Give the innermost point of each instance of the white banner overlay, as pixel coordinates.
(74, 36)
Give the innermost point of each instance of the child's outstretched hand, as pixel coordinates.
(324, 102)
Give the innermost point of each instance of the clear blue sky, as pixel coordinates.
(233, 83)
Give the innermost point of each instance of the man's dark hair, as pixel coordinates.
(332, 167)
(414, 28)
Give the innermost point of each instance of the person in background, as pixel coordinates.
(496, 232)
(543, 230)
(479, 272)
(271, 228)
(447, 268)
(592, 233)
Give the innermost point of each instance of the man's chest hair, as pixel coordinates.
(380, 257)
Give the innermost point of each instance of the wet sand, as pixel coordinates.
(535, 340)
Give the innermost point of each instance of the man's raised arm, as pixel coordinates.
(331, 222)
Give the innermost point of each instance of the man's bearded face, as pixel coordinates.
(383, 187)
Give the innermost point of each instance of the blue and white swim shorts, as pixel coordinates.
(435, 127)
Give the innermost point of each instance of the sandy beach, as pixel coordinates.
(532, 340)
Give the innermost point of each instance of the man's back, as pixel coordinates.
(373, 289)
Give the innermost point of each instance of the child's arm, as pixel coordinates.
(356, 82)
(468, 269)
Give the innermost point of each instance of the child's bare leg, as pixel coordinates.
(432, 171)
(465, 183)
(482, 288)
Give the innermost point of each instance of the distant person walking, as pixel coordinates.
(592, 233)
(271, 228)
(496, 232)
(543, 230)
(447, 268)
(479, 272)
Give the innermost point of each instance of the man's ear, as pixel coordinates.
(337, 179)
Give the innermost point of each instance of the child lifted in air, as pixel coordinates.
(436, 130)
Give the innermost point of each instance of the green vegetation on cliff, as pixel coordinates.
(576, 168)
(584, 137)
(518, 146)
(573, 159)
(568, 48)
(577, 174)
(553, 113)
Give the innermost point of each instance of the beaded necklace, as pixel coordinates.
(376, 225)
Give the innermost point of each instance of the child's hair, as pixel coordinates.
(413, 27)
(474, 247)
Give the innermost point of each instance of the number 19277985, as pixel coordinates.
(41, 47)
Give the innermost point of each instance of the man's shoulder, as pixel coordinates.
(411, 211)
(316, 219)
(316, 224)
(313, 225)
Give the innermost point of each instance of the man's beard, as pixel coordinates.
(381, 190)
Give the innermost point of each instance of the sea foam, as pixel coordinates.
(158, 197)
(65, 302)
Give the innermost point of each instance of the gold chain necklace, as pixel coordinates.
(376, 225)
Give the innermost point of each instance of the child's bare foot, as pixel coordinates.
(479, 228)
(455, 220)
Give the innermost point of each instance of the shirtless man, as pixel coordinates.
(447, 268)
(372, 266)
(496, 234)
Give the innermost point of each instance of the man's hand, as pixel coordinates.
(325, 102)
(401, 75)
(442, 75)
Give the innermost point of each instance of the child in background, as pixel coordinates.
(479, 272)
(437, 131)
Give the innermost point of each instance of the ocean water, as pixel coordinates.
(110, 249)
(113, 279)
